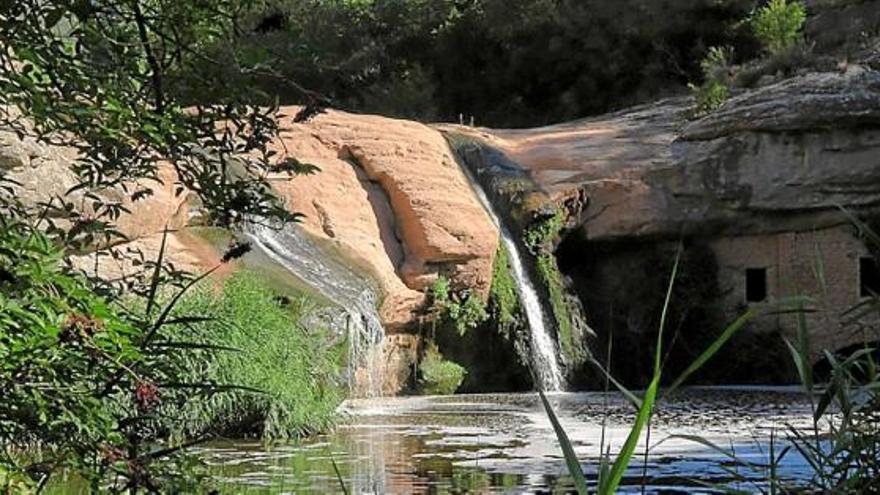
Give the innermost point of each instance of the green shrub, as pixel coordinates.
(294, 369)
(778, 24)
(467, 312)
(709, 95)
(463, 309)
(716, 80)
(716, 64)
(440, 291)
(439, 376)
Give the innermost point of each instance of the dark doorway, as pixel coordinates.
(869, 275)
(756, 284)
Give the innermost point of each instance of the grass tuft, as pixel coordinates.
(296, 370)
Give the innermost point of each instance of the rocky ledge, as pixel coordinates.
(801, 147)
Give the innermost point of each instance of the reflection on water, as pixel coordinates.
(503, 443)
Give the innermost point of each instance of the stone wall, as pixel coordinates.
(821, 264)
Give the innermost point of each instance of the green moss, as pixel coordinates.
(457, 140)
(550, 276)
(540, 238)
(439, 376)
(503, 299)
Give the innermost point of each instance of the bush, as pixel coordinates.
(716, 73)
(463, 309)
(467, 312)
(778, 24)
(709, 95)
(89, 387)
(294, 369)
(541, 234)
(439, 376)
(440, 291)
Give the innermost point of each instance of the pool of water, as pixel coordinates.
(504, 443)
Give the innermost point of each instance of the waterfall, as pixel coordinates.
(543, 347)
(355, 296)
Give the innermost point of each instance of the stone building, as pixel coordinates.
(831, 266)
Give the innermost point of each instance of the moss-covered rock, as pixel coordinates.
(541, 238)
(504, 305)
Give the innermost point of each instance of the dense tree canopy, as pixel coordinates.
(506, 62)
(109, 77)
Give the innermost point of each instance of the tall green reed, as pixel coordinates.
(610, 475)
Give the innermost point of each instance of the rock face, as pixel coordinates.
(390, 195)
(43, 174)
(758, 183)
(798, 148)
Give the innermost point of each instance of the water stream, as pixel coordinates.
(356, 316)
(544, 352)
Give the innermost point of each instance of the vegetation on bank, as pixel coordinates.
(110, 392)
(439, 376)
(90, 387)
(290, 376)
(94, 385)
(778, 27)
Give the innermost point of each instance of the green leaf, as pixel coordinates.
(571, 460)
(157, 273)
(629, 447)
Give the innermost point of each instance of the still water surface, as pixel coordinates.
(503, 443)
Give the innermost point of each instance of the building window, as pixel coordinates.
(869, 275)
(756, 284)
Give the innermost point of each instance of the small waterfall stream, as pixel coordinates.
(357, 315)
(546, 366)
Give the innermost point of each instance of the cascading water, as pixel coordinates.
(355, 296)
(542, 344)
